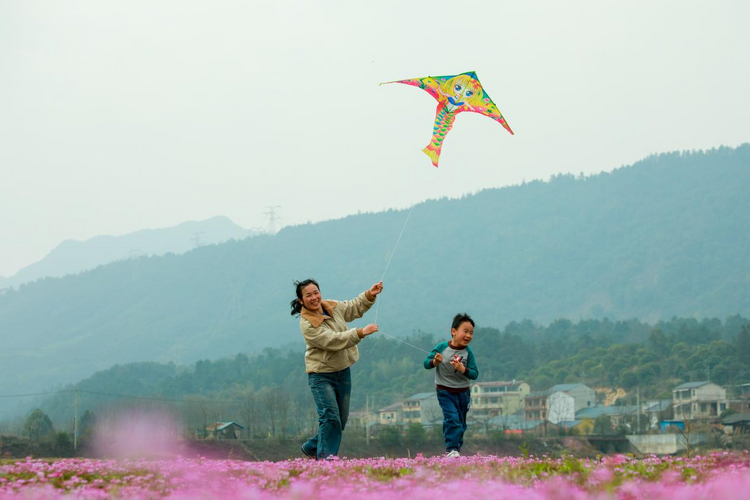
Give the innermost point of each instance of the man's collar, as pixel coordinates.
(315, 318)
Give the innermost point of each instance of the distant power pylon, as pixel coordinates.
(135, 253)
(197, 240)
(273, 218)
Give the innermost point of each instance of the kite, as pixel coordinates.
(454, 94)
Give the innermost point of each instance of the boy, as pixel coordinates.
(452, 380)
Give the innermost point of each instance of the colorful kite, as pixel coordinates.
(454, 94)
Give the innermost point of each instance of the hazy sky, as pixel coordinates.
(120, 116)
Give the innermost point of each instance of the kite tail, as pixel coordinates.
(443, 123)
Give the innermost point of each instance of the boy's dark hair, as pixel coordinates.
(460, 318)
(296, 304)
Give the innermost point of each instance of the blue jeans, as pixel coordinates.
(331, 393)
(455, 407)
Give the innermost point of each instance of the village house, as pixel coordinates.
(579, 427)
(561, 407)
(422, 408)
(698, 400)
(615, 414)
(559, 403)
(655, 411)
(390, 415)
(741, 404)
(535, 405)
(583, 395)
(737, 424)
(363, 419)
(517, 424)
(491, 399)
(225, 430)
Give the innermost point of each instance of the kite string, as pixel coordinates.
(377, 303)
(397, 242)
(393, 252)
(404, 342)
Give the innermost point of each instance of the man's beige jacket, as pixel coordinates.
(331, 344)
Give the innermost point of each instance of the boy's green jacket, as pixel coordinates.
(331, 344)
(445, 374)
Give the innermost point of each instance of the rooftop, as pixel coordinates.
(569, 424)
(691, 385)
(220, 426)
(564, 387)
(598, 411)
(736, 418)
(393, 407)
(421, 395)
(537, 394)
(500, 383)
(657, 405)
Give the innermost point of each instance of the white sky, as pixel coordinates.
(124, 115)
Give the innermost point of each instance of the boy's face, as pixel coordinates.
(463, 334)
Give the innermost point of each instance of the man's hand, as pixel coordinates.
(369, 330)
(376, 288)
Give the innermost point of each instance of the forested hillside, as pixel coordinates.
(668, 236)
(601, 353)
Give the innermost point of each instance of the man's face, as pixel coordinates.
(311, 297)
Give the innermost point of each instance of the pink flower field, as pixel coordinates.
(717, 476)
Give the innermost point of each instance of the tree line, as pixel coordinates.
(268, 394)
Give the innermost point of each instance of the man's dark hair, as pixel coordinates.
(460, 318)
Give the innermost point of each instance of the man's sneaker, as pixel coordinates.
(453, 454)
(307, 453)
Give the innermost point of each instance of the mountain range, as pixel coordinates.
(667, 236)
(72, 256)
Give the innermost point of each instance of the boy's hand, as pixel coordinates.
(458, 366)
(437, 359)
(376, 288)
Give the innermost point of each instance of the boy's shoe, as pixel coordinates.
(453, 454)
(307, 453)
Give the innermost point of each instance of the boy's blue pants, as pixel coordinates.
(331, 393)
(455, 407)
